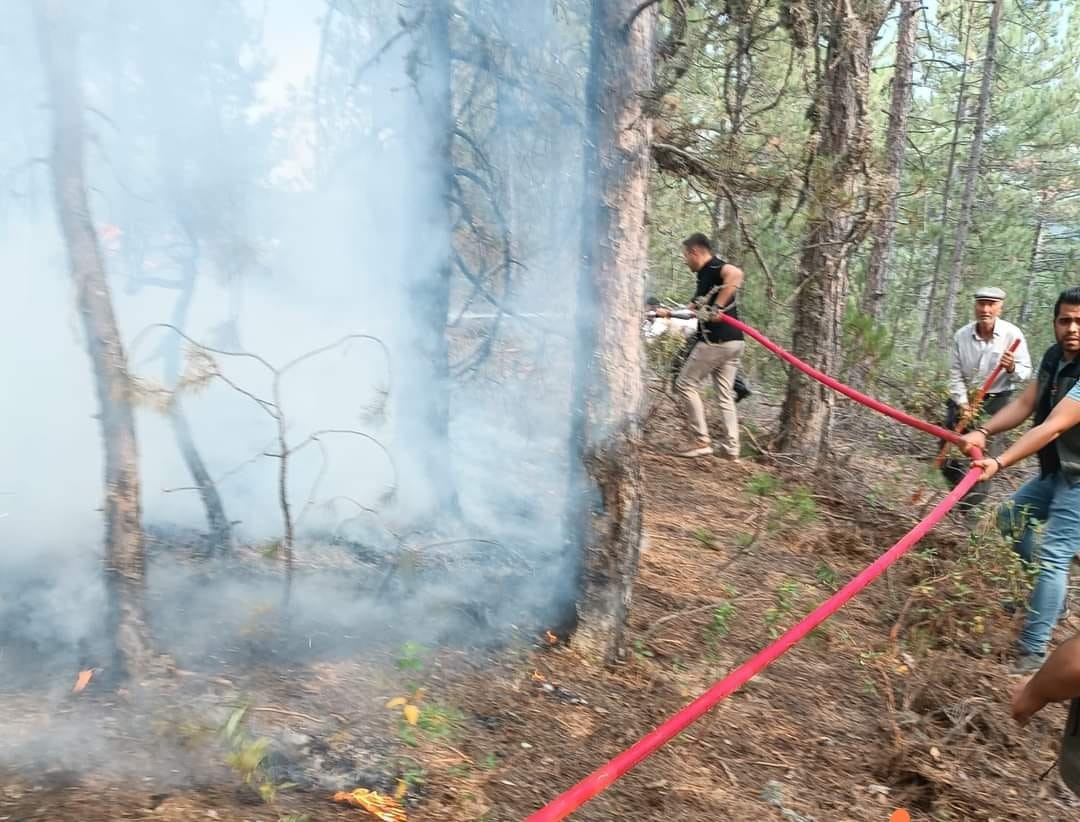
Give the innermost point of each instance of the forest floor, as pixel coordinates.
(899, 701)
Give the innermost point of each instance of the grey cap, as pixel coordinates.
(989, 293)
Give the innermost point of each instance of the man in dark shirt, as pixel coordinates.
(1042, 519)
(716, 349)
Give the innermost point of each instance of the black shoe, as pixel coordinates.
(742, 388)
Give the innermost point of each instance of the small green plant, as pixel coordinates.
(796, 507)
(411, 774)
(825, 575)
(247, 756)
(440, 721)
(411, 657)
(720, 626)
(294, 817)
(744, 540)
(705, 538)
(460, 770)
(762, 485)
(640, 651)
(786, 595)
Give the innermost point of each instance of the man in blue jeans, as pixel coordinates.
(1052, 499)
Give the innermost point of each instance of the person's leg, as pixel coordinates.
(952, 469)
(1018, 516)
(1054, 553)
(698, 365)
(724, 370)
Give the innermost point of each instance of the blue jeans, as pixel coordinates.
(1052, 506)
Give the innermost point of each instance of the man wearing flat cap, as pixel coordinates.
(977, 349)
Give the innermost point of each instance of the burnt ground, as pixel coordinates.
(900, 701)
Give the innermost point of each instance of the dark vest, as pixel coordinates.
(1069, 759)
(1064, 453)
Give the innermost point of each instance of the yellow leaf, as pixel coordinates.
(412, 714)
(396, 702)
(401, 789)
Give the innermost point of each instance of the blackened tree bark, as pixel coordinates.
(833, 229)
(429, 402)
(606, 492)
(124, 554)
(971, 179)
(873, 300)
(220, 531)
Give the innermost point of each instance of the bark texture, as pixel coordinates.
(833, 230)
(606, 495)
(124, 550)
(877, 274)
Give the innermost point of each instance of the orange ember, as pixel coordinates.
(379, 806)
(82, 680)
(537, 676)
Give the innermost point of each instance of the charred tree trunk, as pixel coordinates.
(608, 390)
(950, 176)
(124, 550)
(873, 301)
(220, 531)
(971, 179)
(427, 401)
(832, 228)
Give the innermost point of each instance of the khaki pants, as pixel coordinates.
(719, 361)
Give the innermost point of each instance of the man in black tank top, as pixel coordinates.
(715, 352)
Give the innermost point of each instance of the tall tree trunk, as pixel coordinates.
(1029, 284)
(831, 224)
(124, 554)
(895, 140)
(950, 176)
(430, 398)
(971, 178)
(220, 531)
(606, 495)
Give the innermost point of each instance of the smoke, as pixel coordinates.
(261, 176)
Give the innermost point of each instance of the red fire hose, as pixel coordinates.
(976, 404)
(603, 777)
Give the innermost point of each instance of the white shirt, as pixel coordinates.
(973, 358)
(670, 325)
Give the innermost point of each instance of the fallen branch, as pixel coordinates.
(294, 714)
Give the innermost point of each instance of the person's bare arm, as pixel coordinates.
(1066, 415)
(1006, 419)
(733, 278)
(1056, 681)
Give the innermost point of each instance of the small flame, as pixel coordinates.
(82, 680)
(551, 638)
(379, 806)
